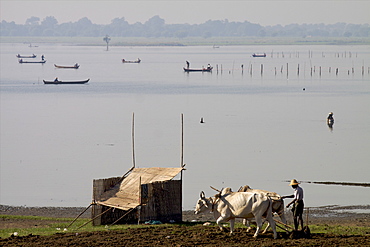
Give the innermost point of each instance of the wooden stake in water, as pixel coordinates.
(261, 69)
(287, 69)
(298, 70)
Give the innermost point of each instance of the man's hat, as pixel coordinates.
(293, 182)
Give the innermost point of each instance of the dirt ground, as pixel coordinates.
(191, 234)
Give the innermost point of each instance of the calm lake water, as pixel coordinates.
(260, 129)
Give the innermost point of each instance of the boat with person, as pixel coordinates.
(75, 66)
(132, 61)
(25, 56)
(259, 55)
(57, 81)
(208, 69)
(22, 61)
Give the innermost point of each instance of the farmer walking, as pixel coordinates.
(297, 202)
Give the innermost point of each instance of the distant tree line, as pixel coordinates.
(156, 27)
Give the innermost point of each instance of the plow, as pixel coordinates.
(292, 233)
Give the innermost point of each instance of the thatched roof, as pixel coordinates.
(126, 194)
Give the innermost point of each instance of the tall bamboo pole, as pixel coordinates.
(182, 140)
(133, 140)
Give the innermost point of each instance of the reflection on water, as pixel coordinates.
(258, 129)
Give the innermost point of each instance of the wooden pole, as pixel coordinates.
(120, 218)
(283, 224)
(182, 144)
(133, 140)
(282, 228)
(261, 69)
(298, 70)
(287, 69)
(79, 216)
(110, 208)
(182, 140)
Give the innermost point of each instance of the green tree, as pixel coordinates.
(33, 21)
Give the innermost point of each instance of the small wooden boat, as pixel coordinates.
(22, 61)
(55, 82)
(259, 55)
(24, 56)
(128, 61)
(208, 69)
(76, 66)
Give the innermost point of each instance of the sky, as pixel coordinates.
(263, 12)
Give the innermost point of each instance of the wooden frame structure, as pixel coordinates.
(140, 195)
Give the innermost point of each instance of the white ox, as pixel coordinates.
(277, 204)
(231, 205)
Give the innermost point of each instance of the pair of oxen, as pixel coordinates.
(247, 204)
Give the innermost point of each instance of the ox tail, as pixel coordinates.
(269, 208)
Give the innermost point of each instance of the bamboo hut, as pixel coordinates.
(142, 194)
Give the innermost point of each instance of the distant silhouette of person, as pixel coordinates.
(187, 64)
(42, 57)
(56, 79)
(330, 120)
(330, 117)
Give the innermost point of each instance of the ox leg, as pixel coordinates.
(246, 223)
(267, 227)
(232, 222)
(259, 225)
(273, 226)
(219, 221)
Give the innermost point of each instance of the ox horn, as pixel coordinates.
(215, 189)
(202, 195)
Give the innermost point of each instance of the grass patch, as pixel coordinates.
(48, 226)
(340, 230)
